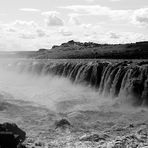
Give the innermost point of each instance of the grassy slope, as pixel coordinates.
(72, 50)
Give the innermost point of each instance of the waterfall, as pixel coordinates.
(127, 80)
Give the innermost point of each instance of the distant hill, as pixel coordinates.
(73, 50)
(86, 50)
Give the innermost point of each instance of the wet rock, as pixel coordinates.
(63, 123)
(93, 138)
(21, 146)
(39, 144)
(119, 143)
(131, 125)
(142, 135)
(11, 136)
(7, 139)
(11, 127)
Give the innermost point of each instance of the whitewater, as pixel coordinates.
(103, 97)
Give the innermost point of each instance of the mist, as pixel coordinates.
(54, 92)
(49, 91)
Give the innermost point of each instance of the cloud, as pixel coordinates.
(123, 37)
(114, 35)
(23, 25)
(3, 14)
(65, 31)
(40, 32)
(24, 29)
(27, 35)
(74, 19)
(88, 9)
(140, 17)
(30, 10)
(91, 1)
(115, 0)
(52, 18)
(99, 11)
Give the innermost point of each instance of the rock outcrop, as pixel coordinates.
(63, 123)
(11, 136)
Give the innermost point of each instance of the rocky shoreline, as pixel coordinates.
(67, 138)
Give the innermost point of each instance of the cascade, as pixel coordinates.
(125, 79)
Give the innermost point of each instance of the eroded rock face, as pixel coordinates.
(11, 135)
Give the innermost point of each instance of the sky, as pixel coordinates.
(35, 24)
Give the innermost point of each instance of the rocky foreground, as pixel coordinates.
(12, 137)
(66, 138)
(78, 129)
(69, 115)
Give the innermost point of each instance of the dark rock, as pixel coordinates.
(7, 140)
(63, 123)
(39, 144)
(11, 127)
(93, 137)
(131, 125)
(21, 146)
(11, 135)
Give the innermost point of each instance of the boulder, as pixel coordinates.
(63, 123)
(7, 139)
(11, 136)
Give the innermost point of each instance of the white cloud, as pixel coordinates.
(40, 32)
(100, 11)
(65, 31)
(115, 0)
(137, 16)
(27, 35)
(74, 19)
(30, 10)
(52, 18)
(140, 17)
(23, 25)
(24, 29)
(114, 35)
(90, 1)
(3, 14)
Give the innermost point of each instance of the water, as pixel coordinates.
(126, 80)
(45, 90)
(96, 97)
